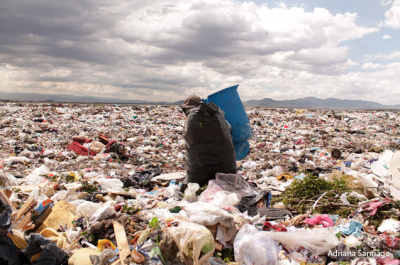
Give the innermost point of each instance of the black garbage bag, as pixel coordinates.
(5, 218)
(52, 255)
(10, 254)
(209, 146)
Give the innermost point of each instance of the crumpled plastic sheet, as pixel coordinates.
(322, 219)
(351, 228)
(389, 225)
(206, 214)
(254, 247)
(373, 206)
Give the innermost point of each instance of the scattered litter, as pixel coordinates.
(85, 184)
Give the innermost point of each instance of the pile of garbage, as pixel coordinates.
(84, 184)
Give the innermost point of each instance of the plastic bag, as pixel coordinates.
(206, 214)
(19, 159)
(172, 191)
(87, 209)
(389, 225)
(59, 196)
(352, 241)
(235, 183)
(215, 195)
(193, 241)
(254, 247)
(381, 167)
(72, 234)
(35, 178)
(103, 213)
(39, 198)
(190, 192)
(226, 190)
(276, 171)
(317, 240)
(110, 184)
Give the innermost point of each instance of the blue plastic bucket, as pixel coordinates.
(229, 101)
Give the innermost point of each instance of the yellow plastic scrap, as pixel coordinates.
(105, 244)
(74, 175)
(284, 177)
(56, 237)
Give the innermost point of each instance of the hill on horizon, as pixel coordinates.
(312, 102)
(307, 102)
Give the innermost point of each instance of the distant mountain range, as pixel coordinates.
(312, 102)
(308, 102)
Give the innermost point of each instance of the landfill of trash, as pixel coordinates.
(86, 184)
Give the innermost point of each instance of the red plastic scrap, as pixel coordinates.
(277, 228)
(80, 149)
(373, 206)
(322, 219)
(391, 241)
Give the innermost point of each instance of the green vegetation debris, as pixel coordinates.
(87, 187)
(154, 223)
(301, 195)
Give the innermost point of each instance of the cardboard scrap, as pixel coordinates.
(63, 213)
(29, 188)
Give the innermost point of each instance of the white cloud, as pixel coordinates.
(282, 5)
(393, 15)
(380, 24)
(372, 66)
(387, 37)
(391, 56)
(148, 49)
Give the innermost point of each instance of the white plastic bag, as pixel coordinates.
(276, 171)
(215, 195)
(87, 209)
(226, 190)
(19, 159)
(34, 177)
(206, 214)
(110, 184)
(39, 198)
(190, 192)
(352, 241)
(103, 213)
(254, 247)
(317, 240)
(172, 191)
(59, 196)
(381, 167)
(193, 241)
(389, 225)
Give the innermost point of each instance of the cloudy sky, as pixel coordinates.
(159, 50)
